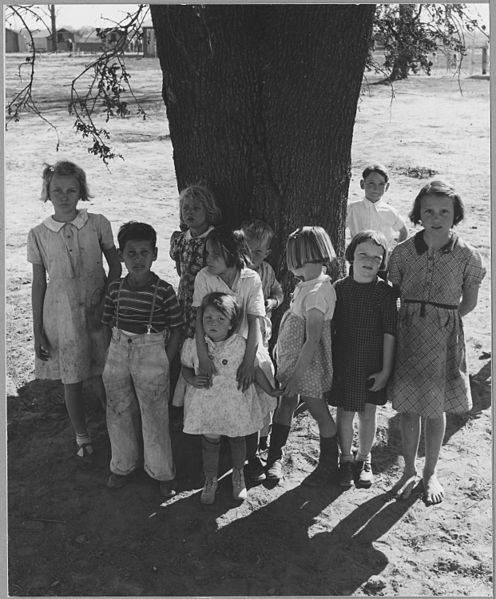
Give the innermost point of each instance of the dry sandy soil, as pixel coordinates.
(70, 535)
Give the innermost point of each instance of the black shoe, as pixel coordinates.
(254, 470)
(345, 476)
(274, 471)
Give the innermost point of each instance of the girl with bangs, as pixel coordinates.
(303, 351)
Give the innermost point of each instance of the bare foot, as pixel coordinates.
(433, 490)
(404, 487)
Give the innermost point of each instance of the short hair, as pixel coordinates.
(226, 304)
(134, 231)
(64, 168)
(201, 193)
(309, 245)
(232, 245)
(368, 235)
(440, 188)
(376, 167)
(259, 230)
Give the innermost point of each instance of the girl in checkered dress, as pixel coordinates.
(438, 276)
(303, 351)
(364, 329)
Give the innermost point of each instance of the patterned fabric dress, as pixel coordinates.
(222, 409)
(431, 375)
(364, 313)
(189, 253)
(71, 254)
(317, 379)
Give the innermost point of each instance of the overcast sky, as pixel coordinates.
(98, 15)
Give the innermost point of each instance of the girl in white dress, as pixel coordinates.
(219, 405)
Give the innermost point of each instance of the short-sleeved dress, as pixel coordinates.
(222, 409)
(364, 313)
(317, 379)
(72, 256)
(431, 375)
(247, 288)
(189, 253)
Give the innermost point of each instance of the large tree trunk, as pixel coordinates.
(261, 102)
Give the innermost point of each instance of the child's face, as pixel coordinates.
(259, 250)
(375, 186)
(194, 214)
(138, 257)
(437, 213)
(367, 260)
(215, 324)
(216, 262)
(64, 193)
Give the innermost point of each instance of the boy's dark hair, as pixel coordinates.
(375, 168)
(363, 236)
(439, 188)
(227, 305)
(259, 230)
(233, 246)
(134, 231)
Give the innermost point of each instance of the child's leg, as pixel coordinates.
(329, 452)
(366, 432)
(210, 454)
(410, 437)
(74, 404)
(281, 425)
(238, 456)
(345, 433)
(434, 434)
(254, 469)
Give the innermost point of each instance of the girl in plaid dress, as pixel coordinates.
(364, 329)
(438, 276)
(303, 352)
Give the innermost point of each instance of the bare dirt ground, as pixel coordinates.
(68, 535)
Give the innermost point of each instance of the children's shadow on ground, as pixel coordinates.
(294, 545)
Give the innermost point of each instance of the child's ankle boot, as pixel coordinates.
(209, 490)
(328, 463)
(278, 438)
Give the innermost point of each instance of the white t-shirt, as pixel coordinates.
(377, 216)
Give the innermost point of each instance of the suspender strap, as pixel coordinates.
(150, 318)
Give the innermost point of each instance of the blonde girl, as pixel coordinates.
(303, 351)
(438, 276)
(218, 406)
(68, 336)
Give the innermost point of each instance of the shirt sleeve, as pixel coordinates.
(323, 299)
(171, 307)
(398, 221)
(255, 305)
(105, 235)
(201, 289)
(108, 317)
(33, 250)
(474, 270)
(175, 249)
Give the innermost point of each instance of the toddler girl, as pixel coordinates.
(438, 276)
(364, 328)
(68, 337)
(303, 351)
(220, 407)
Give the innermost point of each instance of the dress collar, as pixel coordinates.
(188, 235)
(321, 277)
(79, 221)
(422, 247)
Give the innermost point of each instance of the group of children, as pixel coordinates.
(341, 343)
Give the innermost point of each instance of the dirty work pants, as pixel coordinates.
(136, 379)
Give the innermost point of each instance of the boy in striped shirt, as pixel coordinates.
(147, 328)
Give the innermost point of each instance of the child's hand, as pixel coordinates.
(276, 393)
(207, 368)
(270, 304)
(377, 381)
(245, 375)
(200, 381)
(41, 347)
(291, 388)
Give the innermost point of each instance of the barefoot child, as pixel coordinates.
(69, 340)
(221, 408)
(364, 328)
(146, 322)
(438, 276)
(303, 352)
(259, 236)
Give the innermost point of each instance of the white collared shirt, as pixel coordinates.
(377, 216)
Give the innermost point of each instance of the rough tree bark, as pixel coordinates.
(261, 103)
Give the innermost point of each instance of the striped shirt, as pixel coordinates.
(135, 307)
